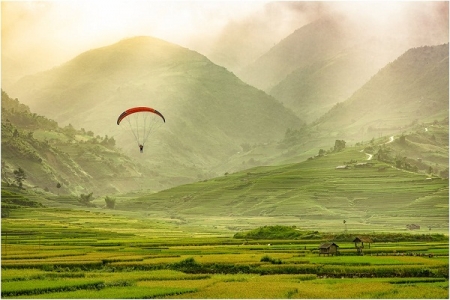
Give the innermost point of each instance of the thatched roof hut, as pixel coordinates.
(328, 248)
(362, 240)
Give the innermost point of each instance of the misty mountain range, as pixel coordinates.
(324, 80)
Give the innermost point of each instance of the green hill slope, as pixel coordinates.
(313, 194)
(424, 148)
(64, 160)
(209, 112)
(317, 41)
(413, 88)
(329, 59)
(310, 91)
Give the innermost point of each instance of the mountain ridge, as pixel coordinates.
(414, 86)
(325, 61)
(315, 41)
(210, 113)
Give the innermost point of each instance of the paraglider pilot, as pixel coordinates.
(141, 147)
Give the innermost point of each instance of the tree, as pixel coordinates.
(20, 177)
(70, 131)
(112, 142)
(400, 162)
(339, 145)
(110, 202)
(383, 153)
(109, 142)
(86, 199)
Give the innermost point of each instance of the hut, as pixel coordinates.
(328, 248)
(361, 240)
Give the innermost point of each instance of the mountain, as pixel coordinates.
(321, 64)
(65, 160)
(326, 61)
(413, 88)
(312, 90)
(242, 41)
(314, 42)
(405, 97)
(210, 113)
(314, 193)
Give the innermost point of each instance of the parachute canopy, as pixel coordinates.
(138, 109)
(142, 121)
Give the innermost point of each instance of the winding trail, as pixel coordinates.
(370, 156)
(391, 139)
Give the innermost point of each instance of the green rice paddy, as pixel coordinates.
(59, 253)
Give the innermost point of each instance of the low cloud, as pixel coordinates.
(40, 35)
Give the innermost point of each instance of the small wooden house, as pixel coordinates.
(328, 248)
(362, 240)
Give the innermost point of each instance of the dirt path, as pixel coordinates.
(391, 139)
(370, 156)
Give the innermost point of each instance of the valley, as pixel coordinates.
(301, 151)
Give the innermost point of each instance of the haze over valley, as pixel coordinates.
(299, 88)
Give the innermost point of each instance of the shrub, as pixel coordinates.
(110, 202)
(267, 258)
(189, 265)
(271, 232)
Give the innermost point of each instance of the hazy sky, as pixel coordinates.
(38, 35)
(55, 31)
(80, 24)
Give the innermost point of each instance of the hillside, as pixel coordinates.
(326, 61)
(411, 168)
(369, 194)
(314, 42)
(312, 90)
(209, 112)
(64, 160)
(424, 147)
(410, 90)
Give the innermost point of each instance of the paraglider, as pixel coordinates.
(142, 122)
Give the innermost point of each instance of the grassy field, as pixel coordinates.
(312, 194)
(68, 253)
(182, 242)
